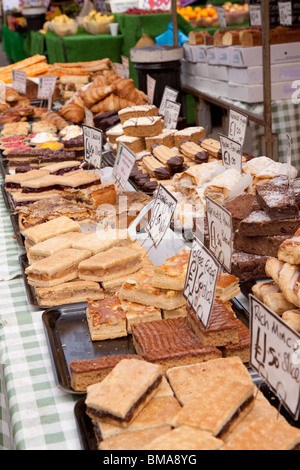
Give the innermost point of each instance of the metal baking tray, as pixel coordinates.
(68, 340)
(30, 293)
(85, 426)
(14, 218)
(7, 199)
(4, 167)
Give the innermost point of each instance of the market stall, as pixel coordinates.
(143, 262)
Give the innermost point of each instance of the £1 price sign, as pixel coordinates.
(201, 280)
(275, 354)
(237, 126)
(92, 146)
(231, 153)
(124, 163)
(161, 215)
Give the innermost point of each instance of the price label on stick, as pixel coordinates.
(119, 69)
(161, 215)
(285, 13)
(19, 81)
(89, 117)
(169, 95)
(255, 15)
(46, 87)
(172, 111)
(221, 17)
(237, 126)
(151, 84)
(231, 153)
(275, 354)
(289, 156)
(220, 233)
(201, 280)
(92, 146)
(124, 163)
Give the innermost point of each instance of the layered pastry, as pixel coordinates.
(106, 319)
(185, 438)
(175, 313)
(56, 269)
(51, 229)
(68, 293)
(216, 405)
(193, 151)
(113, 133)
(136, 144)
(277, 302)
(39, 157)
(172, 274)
(137, 112)
(286, 277)
(62, 168)
(187, 381)
(212, 146)
(157, 413)
(242, 348)
(197, 176)
(51, 245)
(222, 328)
(292, 318)
(138, 380)
(227, 287)
(191, 133)
(44, 210)
(111, 264)
(221, 187)
(139, 288)
(97, 242)
(263, 288)
(143, 126)
(93, 196)
(170, 343)
(13, 181)
(86, 372)
(156, 169)
(165, 138)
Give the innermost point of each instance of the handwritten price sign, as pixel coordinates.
(161, 215)
(92, 146)
(201, 280)
(154, 4)
(237, 126)
(275, 354)
(231, 153)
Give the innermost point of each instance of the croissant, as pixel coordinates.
(55, 119)
(11, 95)
(111, 103)
(125, 89)
(286, 277)
(72, 112)
(93, 94)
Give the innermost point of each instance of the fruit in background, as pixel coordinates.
(97, 16)
(207, 16)
(62, 19)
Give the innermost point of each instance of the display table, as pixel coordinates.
(13, 44)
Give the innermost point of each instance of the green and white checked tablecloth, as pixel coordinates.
(34, 413)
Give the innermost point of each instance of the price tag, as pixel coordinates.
(151, 84)
(201, 280)
(89, 117)
(92, 146)
(19, 81)
(46, 87)
(154, 4)
(231, 153)
(237, 126)
(220, 233)
(255, 15)
(161, 215)
(285, 13)
(125, 63)
(289, 156)
(275, 354)
(221, 17)
(125, 160)
(169, 95)
(172, 111)
(119, 69)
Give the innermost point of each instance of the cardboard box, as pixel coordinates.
(253, 56)
(218, 72)
(255, 93)
(187, 52)
(254, 75)
(200, 69)
(223, 55)
(200, 54)
(211, 53)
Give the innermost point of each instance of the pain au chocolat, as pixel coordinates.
(138, 381)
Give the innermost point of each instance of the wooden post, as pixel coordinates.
(175, 22)
(267, 77)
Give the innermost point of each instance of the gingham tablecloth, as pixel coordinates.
(34, 413)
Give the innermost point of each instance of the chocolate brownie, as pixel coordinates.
(248, 267)
(277, 199)
(258, 223)
(241, 207)
(264, 246)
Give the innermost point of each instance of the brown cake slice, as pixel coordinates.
(172, 273)
(185, 438)
(68, 293)
(227, 287)
(134, 440)
(240, 208)
(171, 343)
(242, 348)
(86, 372)
(259, 224)
(222, 328)
(138, 381)
(248, 267)
(277, 199)
(264, 246)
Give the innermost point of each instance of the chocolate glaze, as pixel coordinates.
(162, 173)
(201, 157)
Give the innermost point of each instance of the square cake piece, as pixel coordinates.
(170, 343)
(132, 440)
(222, 329)
(185, 438)
(215, 406)
(172, 274)
(111, 264)
(51, 229)
(139, 288)
(106, 319)
(277, 199)
(242, 348)
(227, 287)
(138, 381)
(68, 293)
(136, 313)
